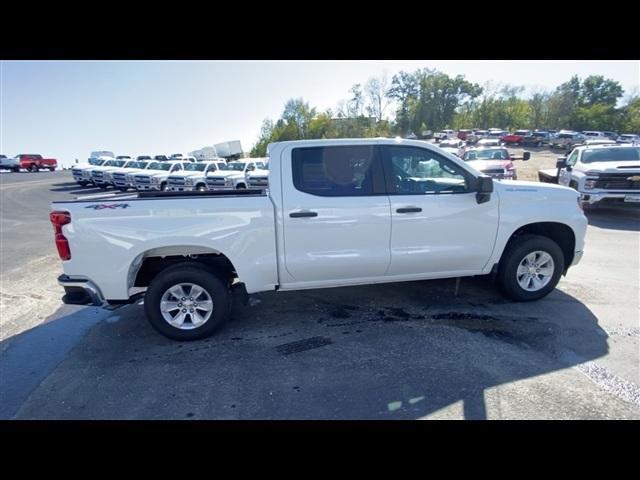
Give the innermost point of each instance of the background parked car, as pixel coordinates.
(463, 134)
(629, 138)
(537, 139)
(488, 142)
(12, 164)
(496, 162)
(34, 162)
(517, 138)
(567, 140)
(453, 146)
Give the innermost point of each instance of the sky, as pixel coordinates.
(67, 109)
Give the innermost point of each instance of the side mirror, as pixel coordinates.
(526, 156)
(484, 187)
(562, 162)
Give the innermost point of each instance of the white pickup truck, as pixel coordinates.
(337, 213)
(193, 177)
(233, 175)
(603, 174)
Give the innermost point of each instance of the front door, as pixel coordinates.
(437, 224)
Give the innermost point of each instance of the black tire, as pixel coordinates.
(16, 169)
(103, 186)
(513, 255)
(52, 169)
(163, 186)
(241, 186)
(188, 273)
(123, 189)
(33, 168)
(201, 188)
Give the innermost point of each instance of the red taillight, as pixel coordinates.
(58, 219)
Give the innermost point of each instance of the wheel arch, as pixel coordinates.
(148, 264)
(560, 233)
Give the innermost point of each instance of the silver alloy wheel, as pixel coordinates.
(186, 306)
(535, 271)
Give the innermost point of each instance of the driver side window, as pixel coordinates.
(415, 171)
(573, 158)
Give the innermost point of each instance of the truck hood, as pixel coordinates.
(259, 173)
(631, 166)
(154, 173)
(482, 165)
(226, 174)
(128, 170)
(104, 169)
(184, 174)
(536, 191)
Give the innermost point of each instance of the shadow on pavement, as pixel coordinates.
(612, 218)
(395, 351)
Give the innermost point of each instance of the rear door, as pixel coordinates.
(437, 226)
(336, 215)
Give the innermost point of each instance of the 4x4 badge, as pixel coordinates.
(102, 206)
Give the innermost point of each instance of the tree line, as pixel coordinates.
(413, 103)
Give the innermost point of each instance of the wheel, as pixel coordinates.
(187, 302)
(201, 188)
(33, 168)
(241, 186)
(123, 189)
(102, 186)
(52, 169)
(163, 186)
(530, 268)
(15, 169)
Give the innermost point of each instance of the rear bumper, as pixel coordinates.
(80, 291)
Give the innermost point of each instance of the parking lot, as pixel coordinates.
(396, 351)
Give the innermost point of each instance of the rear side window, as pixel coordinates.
(337, 171)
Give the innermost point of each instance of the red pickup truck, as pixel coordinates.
(35, 162)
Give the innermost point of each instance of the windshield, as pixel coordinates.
(114, 163)
(449, 144)
(160, 166)
(95, 161)
(236, 166)
(522, 132)
(565, 135)
(539, 134)
(488, 154)
(136, 165)
(195, 167)
(611, 155)
(143, 157)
